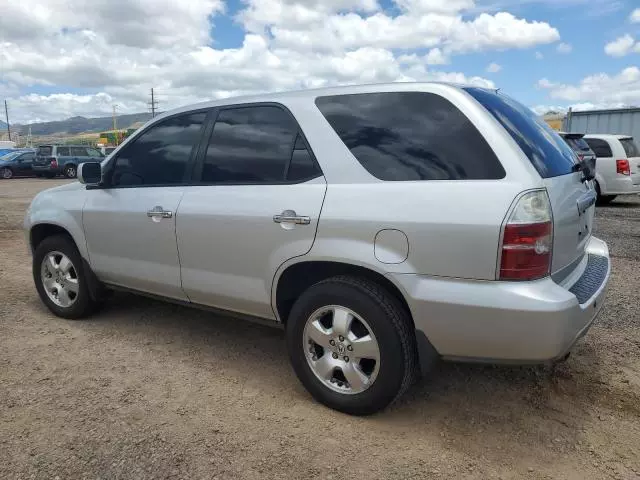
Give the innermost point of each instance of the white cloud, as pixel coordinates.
(622, 89)
(539, 56)
(116, 50)
(564, 48)
(622, 46)
(635, 16)
(493, 68)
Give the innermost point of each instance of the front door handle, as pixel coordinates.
(290, 216)
(159, 212)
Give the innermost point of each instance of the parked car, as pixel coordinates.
(617, 165)
(52, 160)
(4, 151)
(383, 226)
(17, 164)
(106, 151)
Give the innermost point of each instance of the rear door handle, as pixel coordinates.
(290, 216)
(159, 212)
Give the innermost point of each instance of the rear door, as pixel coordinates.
(633, 155)
(572, 199)
(257, 205)
(130, 223)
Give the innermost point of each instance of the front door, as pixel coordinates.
(130, 222)
(257, 205)
(25, 163)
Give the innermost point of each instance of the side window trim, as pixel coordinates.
(187, 177)
(206, 138)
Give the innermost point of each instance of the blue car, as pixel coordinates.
(16, 163)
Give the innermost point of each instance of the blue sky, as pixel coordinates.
(64, 59)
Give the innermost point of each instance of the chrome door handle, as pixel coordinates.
(290, 216)
(159, 212)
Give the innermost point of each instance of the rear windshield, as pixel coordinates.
(544, 148)
(44, 151)
(578, 144)
(630, 148)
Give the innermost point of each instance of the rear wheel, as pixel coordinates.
(70, 171)
(6, 173)
(352, 345)
(60, 279)
(603, 199)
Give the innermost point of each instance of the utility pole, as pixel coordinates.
(115, 128)
(153, 104)
(6, 114)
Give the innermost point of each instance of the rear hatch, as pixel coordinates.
(633, 155)
(572, 198)
(43, 155)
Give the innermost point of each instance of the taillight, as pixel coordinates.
(622, 167)
(527, 240)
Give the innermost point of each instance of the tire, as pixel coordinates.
(6, 173)
(81, 304)
(603, 199)
(391, 328)
(70, 171)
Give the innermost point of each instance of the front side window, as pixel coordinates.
(601, 148)
(92, 152)
(254, 145)
(78, 151)
(159, 156)
(400, 136)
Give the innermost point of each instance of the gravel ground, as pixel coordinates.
(149, 390)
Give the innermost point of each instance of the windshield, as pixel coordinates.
(630, 148)
(542, 145)
(578, 144)
(9, 156)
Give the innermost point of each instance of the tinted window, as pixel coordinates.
(578, 144)
(108, 150)
(600, 147)
(27, 157)
(92, 152)
(78, 151)
(62, 151)
(545, 149)
(410, 136)
(630, 148)
(159, 156)
(45, 150)
(250, 145)
(302, 166)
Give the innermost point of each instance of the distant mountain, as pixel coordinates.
(76, 125)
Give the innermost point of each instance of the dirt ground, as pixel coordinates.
(149, 390)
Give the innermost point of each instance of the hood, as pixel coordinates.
(67, 187)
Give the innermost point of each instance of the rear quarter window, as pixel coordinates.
(546, 150)
(630, 147)
(403, 136)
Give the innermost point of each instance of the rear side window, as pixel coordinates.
(600, 147)
(62, 151)
(630, 148)
(545, 149)
(44, 151)
(401, 136)
(256, 145)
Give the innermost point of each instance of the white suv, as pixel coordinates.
(617, 165)
(383, 226)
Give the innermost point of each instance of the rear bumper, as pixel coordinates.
(44, 169)
(624, 186)
(510, 322)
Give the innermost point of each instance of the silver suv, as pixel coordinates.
(383, 226)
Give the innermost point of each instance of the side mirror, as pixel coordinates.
(90, 173)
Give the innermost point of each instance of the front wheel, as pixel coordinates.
(60, 279)
(6, 173)
(352, 345)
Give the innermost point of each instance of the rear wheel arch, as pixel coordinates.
(298, 277)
